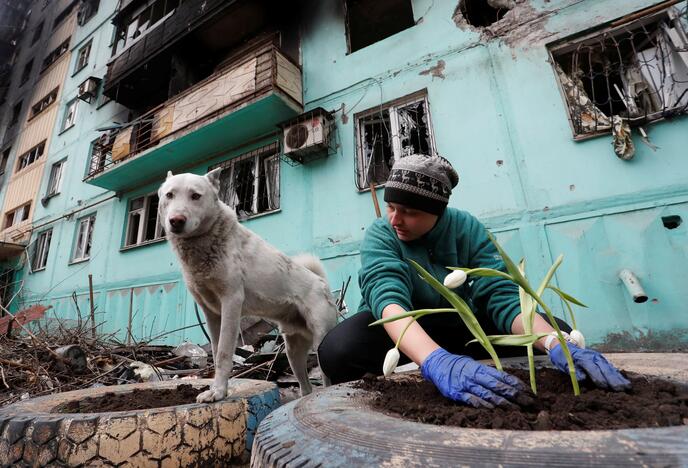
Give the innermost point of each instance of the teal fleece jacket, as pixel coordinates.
(457, 239)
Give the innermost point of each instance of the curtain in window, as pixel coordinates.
(271, 165)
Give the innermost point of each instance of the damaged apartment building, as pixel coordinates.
(564, 118)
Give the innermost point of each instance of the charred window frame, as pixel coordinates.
(30, 156)
(37, 32)
(370, 21)
(635, 70)
(26, 73)
(44, 103)
(143, 225)
(250, 183)
(64, 14)
(39, 259)
(390, 132)
(83, 239)
(140, 20)
(16, 112)
(55, 54)
(87, 10)
(5, 159)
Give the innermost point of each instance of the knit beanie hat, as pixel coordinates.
(421, 182)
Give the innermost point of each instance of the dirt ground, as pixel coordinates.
(650, 403)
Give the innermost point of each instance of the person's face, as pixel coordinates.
(409, 223)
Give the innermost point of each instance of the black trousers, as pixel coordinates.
(352, 348)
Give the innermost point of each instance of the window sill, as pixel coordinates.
(142, 244)
(38, 269)
(64, 130)
(367, 189)
(76, 72)
(78, 260)
(259, 215)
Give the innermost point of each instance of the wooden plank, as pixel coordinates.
(289, 78)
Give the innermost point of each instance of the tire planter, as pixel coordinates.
(198, 434)
(337, 427)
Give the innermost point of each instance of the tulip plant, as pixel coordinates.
(529, 299)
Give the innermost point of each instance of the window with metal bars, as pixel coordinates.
(101, 153)
(250, 183)
(39, 259)
(143, 225)
(636, 70)
(390, 132)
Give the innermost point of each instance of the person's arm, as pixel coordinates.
(416, 344)
(540, 325)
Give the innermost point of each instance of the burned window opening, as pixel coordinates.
(482, 13)
(250, 183)
(370, 21)
(391, 132)
(637, 72)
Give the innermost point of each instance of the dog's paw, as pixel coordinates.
(209, 396)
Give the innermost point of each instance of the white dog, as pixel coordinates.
(231, 272)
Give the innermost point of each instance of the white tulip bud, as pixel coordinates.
(391, 361)
(455, 279)
(578, 338)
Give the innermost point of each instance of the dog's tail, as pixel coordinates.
(312, 263)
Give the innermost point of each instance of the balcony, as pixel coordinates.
(243, 100)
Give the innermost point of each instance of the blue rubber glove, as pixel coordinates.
(463, 379)
(591, 364)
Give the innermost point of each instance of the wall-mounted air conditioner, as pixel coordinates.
(88, 90)
(308, 136)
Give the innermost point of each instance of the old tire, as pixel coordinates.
(31, 434)
(336, 427)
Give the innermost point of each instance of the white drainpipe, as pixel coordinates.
(633, 286)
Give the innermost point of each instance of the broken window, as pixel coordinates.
(143, 225)
(55, 54)
(482, 13)
(250, 183)
(43, 104)
(55, 180)
(17, 215)
(39, 259)
(390, 132)
(26, 73)
(370, 21)
(16, 112)
(632, 72)
(87, 10)
(141, 20)
(37, 32)
(84, 237)
(101, 153)
(82, 56)
(31, 156)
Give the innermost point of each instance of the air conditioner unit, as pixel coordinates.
(88, 90)
(307, 137)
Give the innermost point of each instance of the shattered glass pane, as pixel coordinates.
(413, 129)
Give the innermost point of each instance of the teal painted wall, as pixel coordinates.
(497, 100)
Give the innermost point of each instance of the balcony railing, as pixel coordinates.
(260, 74)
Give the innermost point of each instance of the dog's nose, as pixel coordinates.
(177, 223)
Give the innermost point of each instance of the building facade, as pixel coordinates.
(565, 120)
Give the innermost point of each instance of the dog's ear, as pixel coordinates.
(169, 174)
(214, 178)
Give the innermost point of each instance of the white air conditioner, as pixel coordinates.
(307, 135)
(88, 90)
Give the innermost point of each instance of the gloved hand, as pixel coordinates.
(591, 364)
(463, 379)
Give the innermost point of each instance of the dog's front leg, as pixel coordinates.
(226, 344)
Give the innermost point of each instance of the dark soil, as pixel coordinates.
(650, 403)
(136, 400)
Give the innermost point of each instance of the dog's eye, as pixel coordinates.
(195, 196)
(169, 195)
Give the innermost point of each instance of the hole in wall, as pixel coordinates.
(481, 13)
(671, 222)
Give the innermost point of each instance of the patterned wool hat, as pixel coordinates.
(421, 182)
